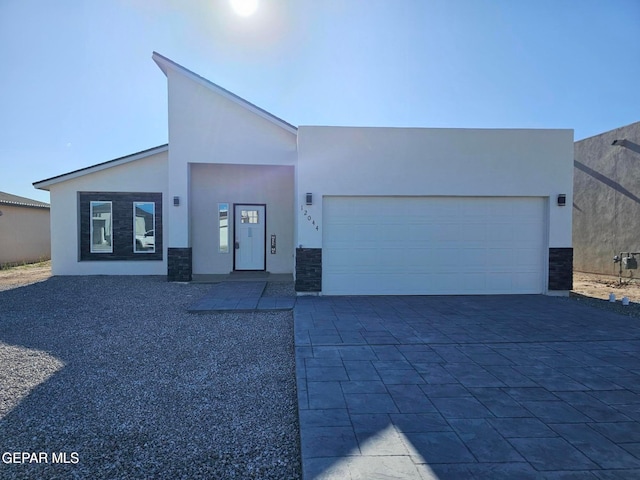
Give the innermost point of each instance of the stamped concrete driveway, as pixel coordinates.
(466, 387)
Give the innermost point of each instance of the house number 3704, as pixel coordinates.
(309, 218)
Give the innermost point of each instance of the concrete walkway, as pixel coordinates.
(240, 296)
(466, 387)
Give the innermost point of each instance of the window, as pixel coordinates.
(249, 216)
(144, 226)
(223, 222)
(116, 226)
(101, 227)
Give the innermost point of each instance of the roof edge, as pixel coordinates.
(167, 64)
(455, 129)
(18, 201)
(608, 131)
(25, 205)
(44, 184)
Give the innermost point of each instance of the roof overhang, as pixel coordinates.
(45, 184)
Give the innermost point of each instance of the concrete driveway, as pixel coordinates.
(466, 387)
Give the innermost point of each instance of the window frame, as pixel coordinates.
(153, 221)
(91, 218)
(122, 226)
(221, 205)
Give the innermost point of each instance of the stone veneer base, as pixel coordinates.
(561, 269)
(179, 264)
(308, 270)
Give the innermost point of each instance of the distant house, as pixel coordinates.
(606, 202)
(24, 230)
(345, 210)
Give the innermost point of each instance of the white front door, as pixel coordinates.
(249, 237)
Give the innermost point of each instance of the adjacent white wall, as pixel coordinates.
(207, 127)
(24, 234)
(242, 184)
(144, 175)
(450, 162)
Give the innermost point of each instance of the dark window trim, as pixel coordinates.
(153, 229)
(122, 225)
(92, 249)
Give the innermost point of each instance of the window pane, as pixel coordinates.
(223, 222)
(101, 223)
(144, 227)
(249, 216)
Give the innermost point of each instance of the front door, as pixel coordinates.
(250, 244)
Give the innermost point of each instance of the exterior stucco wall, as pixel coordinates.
(450, 162)
(206, 127)
(143, 175)
(240, 184)
(24, 234)
(606, 206)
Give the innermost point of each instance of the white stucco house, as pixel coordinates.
(345, 210)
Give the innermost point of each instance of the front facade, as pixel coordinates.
(606, 208)
(437, 210)
(24, 230)
(345, 210)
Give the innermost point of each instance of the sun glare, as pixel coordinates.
(244, 8)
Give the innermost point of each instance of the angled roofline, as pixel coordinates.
(18, 201)
(608, 131)
(166, 64)
(44, 184)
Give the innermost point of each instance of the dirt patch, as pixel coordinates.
(24, 275)
(600, 286)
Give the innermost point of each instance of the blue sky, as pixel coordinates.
(78, 86)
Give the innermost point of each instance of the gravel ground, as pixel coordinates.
(279, 289)
(113, 372)
(631, 310)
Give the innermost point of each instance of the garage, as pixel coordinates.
(393, 245)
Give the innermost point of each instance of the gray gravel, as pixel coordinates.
(631, 310)
(113, 368)
(279, 289)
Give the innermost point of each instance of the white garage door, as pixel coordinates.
(433, 245)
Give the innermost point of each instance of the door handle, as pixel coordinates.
(237, 245)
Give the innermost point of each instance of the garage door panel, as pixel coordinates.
(500, 258)
(496, 232)
(448, 232)
(367, 233)
(523, 279)
(499, 282)
(526, 233)
(526, 257)
(341, 234)
(433, 245)
(395, 233)
(417, 232)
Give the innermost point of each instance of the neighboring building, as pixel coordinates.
(24, 230)
(606, 205)
(346, 210)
